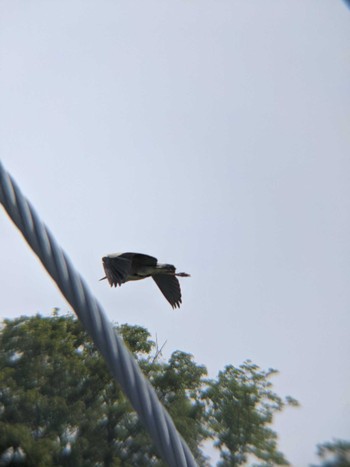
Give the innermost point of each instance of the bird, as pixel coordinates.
(123, 267)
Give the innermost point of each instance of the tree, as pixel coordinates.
(60, 406)
(241, 408)
(334, 453)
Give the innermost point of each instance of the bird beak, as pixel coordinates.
(103, 278)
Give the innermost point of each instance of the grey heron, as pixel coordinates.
(123, 267)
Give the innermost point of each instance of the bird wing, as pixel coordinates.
(170, 288)
(140, 262)
(140, 259)
(117, 269)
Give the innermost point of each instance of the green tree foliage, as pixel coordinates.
(241, 409)
(60, 406)
(334, 453)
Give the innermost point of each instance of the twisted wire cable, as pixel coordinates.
(123, 366)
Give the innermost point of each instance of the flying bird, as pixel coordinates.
(124, 267)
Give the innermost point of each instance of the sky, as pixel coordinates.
(215, 136)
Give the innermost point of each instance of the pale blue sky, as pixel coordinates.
(213, 135)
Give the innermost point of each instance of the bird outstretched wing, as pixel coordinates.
(170, 288)
(117, 269)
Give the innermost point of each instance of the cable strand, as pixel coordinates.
(123, 366)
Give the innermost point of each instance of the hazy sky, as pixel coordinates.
(213, 135)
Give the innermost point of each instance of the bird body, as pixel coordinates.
(124, 267)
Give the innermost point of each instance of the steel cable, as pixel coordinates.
(123, 366)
